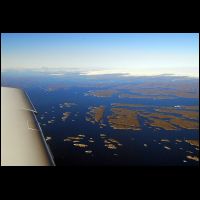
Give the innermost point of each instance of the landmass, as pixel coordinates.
(187, 124)
(102, 93)
(163, 90)
(123, 118)
(80, 145)
(65, 116)
(66, 105)
(193, 142)
(112, 143)
(183, 113)
(127, 105)
(134, 96)
(96, 115)
(195, 158)
(162, 124)
(168, 148)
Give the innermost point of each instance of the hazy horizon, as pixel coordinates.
(103, 53)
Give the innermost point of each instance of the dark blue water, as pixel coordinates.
(132, 151)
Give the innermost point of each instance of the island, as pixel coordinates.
(80, 145)
(123, 118)
(162, 124)
(193, 142)
(195, 158)
(187, 124)
(96, 115)
(102, 93)
(183, 113)
(127, 105)
(111, 143)
(68, 105)
(137, 96)
(65, 116)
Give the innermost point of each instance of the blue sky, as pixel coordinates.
(140, 53)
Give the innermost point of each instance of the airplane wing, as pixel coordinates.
(22, 140)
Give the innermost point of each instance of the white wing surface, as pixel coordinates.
(22, 140)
